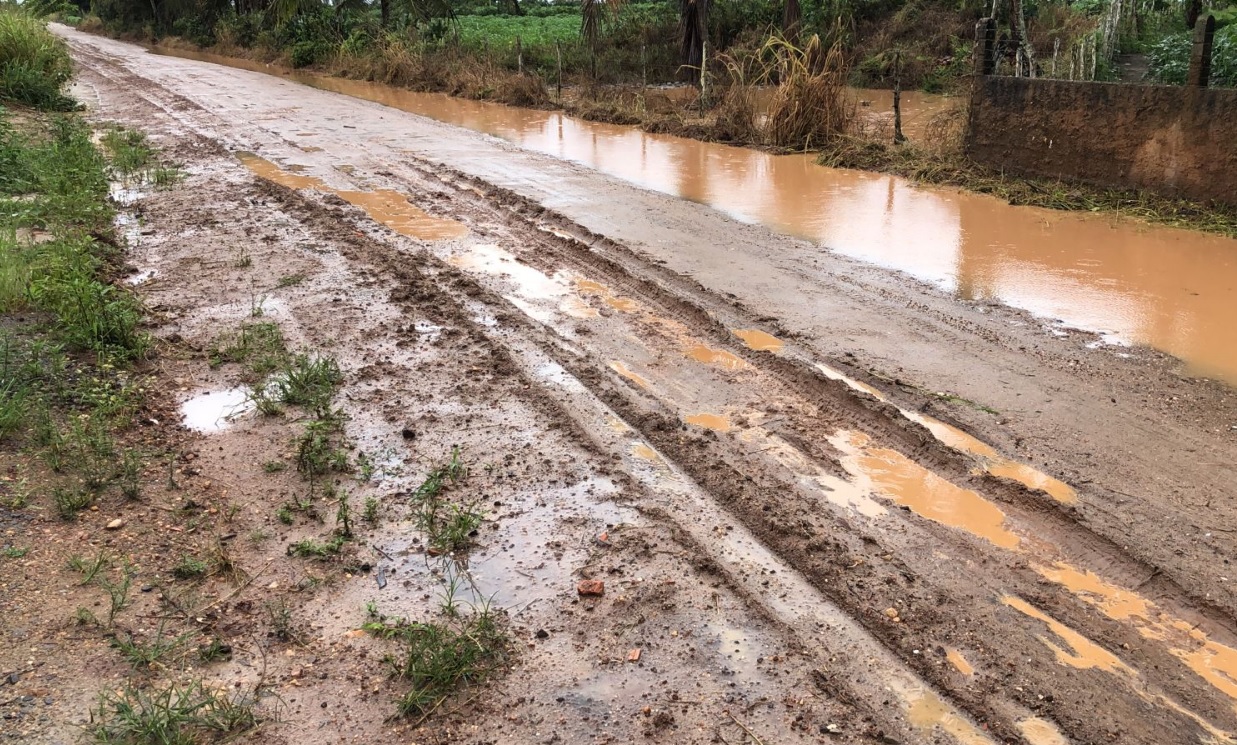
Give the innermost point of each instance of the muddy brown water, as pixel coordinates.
(1173, 290)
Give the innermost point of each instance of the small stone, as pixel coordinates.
(116, 524)
(542, 634)
(147, 588)
(634, 655)
(591, 587)
(891, 612)
(408, 433)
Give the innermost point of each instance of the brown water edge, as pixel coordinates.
(1170, 289)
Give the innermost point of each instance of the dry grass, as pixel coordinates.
(811, 105)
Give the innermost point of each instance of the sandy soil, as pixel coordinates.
(803, 541)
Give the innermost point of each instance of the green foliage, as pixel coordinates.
(440, 657)
(178, 714)
(1170, 58)
(34, 62)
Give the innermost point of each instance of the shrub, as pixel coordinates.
(1170, 58)
(34, 62)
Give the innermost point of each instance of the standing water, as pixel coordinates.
(1174, 290)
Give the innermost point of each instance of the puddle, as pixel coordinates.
(993, 462)
(622, 369)
(1039, 731)
(719, 357)
(986, 456)
(759, 340)
(141, 277)
(1082, 654)
(619, 303)
(907, 483)
(959, 662)
(929, 712)
(1212, 661)
(387, 207)
(812, 477)
(644, 452)
(715, 422)
(214, 411)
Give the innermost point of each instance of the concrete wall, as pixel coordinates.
(1174, 140)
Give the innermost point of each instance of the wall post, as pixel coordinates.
(985, 41)
(1200, 56)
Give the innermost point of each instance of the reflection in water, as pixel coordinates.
(1170, 289)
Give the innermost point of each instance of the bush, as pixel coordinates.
(1170, 58)
(34, 63)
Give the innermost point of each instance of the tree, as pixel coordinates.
(792, 19)
(693, 31)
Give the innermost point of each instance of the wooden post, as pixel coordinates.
(985, 41)
(1200, 56)
(519, 56)
(558, 50)
(644, 68)
(1056, 50)
(898, 137)
(704, 73)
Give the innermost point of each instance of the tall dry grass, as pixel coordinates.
(811, 104)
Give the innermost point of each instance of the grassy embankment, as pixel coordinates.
(77, 375)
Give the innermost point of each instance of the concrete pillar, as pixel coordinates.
(1200, 56)
(985, 43)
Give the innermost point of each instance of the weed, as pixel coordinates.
(261, 536)
(214, 651)
(70, 501)
(223, 564)
(274, 466)
(371, 610)
(259, 347)
(290, 280)
(145, 655)
(438, 658)
(131, 475)
(309, 381)
(90, 569)
(83, 617)
(371, 511)
(284, 515)
(448, 527)
(164, 176)
(343, 517)
(176, 714)
(282, 624)
(310, 548)
(129, 150)
(190, 567)
(244, 260)
(316, 451)
(118, 594)
(13, 552)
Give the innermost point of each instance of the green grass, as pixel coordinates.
(130, 153)
(13, 552)
(144, 654)
(309, 381)
(448, 526)
(34, 62)
(175, 714)
(190, 567)
(438, 658)
(311, 549)
(260, 347)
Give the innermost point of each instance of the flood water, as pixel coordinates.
(1173, 290)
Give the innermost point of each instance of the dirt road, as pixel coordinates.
(847, 506)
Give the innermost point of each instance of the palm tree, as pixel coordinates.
(693, 31)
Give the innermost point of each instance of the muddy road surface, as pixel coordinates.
(837, 505)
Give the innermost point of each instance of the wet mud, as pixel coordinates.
(788, 521)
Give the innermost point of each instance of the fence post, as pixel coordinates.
(519, 56)
(985, 40)
(1200, 56)
(558, 52)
